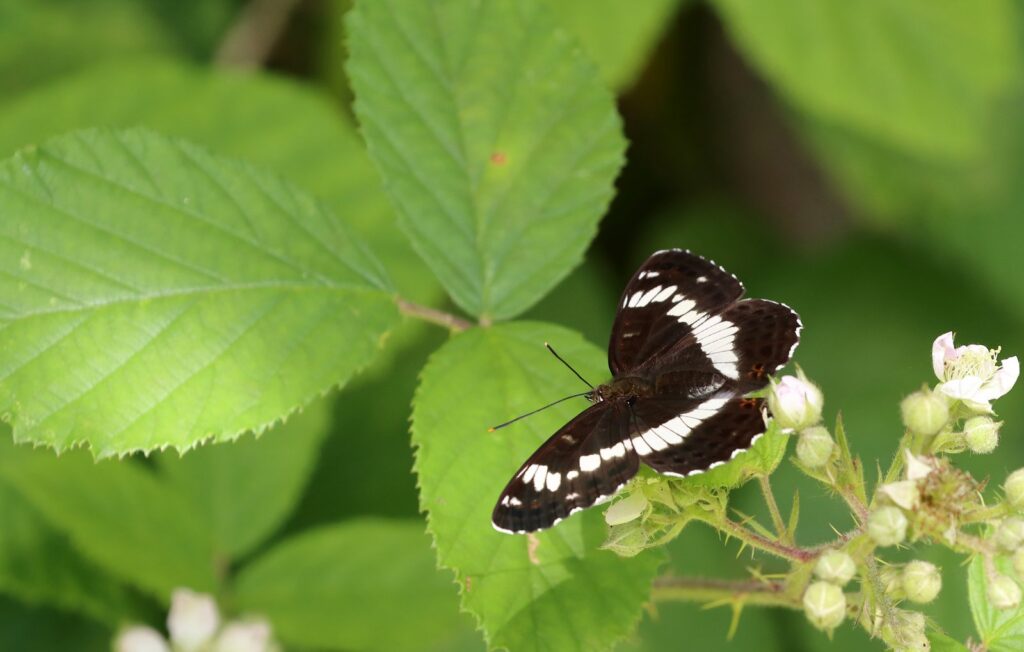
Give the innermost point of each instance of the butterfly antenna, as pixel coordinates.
(562, 360)
(523, 416)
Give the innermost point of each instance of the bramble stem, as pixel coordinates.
(754, 540)
(432, 315)
(699, 589)
(773, 509)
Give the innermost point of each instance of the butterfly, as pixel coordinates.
(686, 349)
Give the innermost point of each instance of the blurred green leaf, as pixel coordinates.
(119, 515)
(496, 139)
(258, 117)
(242, 493)
(941, 642)
(190, 296)
(518, 590)
(24, 627)
(922, 75)
(364, 585)
(617, 35)
(39, 566)
(999, 630)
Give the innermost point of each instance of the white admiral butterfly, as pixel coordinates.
(685, 351)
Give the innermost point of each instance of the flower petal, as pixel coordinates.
(1002, 380)
(963, 389)
(942, 350)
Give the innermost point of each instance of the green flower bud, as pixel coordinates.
(824, 605)
(905, 633)
(836, 567)
(1014, 489)
(921, 581)
(1018, 563)
(924, 412)
(1003, 592)
(1010, 534)
(795, 402)
(887, 526)
(814, 447)
(627, 509)
(891, 578)
(628, 539)
(981, 434)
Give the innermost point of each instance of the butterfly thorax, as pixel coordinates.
(628, 388)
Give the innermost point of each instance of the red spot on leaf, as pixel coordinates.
(499, 158)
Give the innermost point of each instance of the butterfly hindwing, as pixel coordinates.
(586, 461)
(681, 437)
(669, 284)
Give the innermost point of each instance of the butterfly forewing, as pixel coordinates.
(586, 461)
(669, 285)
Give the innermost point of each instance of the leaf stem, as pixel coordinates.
(251, 38)
(439, 317)
(773, 509)
(766, 593)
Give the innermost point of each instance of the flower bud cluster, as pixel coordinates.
(194, 625)
(796, 405)
(824, 601)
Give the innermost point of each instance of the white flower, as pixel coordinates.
(972, 373)
(140, 638)
(250, 636)
(903, 493)
(795, 402)
(193, 620)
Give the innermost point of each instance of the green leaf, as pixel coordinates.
(496, 139)
(922, 75)
(999, 630)
(242, 493)
(159, 295)
(288, 127)
(366, 585)
(520, 588)
(117, 514)
(617, 35)
(942, 642)
(39, 566)
(49, 630)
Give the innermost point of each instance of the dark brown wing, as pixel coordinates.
(670, 290)
(681, 437)
(586, 461)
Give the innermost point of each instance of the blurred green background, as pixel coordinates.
(860, 161)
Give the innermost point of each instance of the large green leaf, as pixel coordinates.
(242, 493)
(496, 139)
(365, 585)
(119, 515)
(560, 592)
(617, 35)
(999, 630)
(262, 118)
(39, 566)
(158, 295)
(922, 75)
(24, 627)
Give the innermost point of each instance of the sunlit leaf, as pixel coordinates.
(118, 515)
(922, 75)
(617, 35)
(496, 139)
(517, 586)
(364, 585)
(158, 295)
(242, 493)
